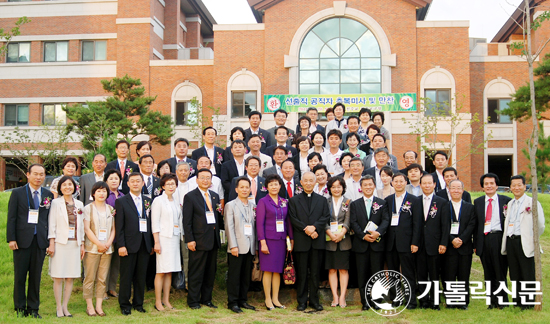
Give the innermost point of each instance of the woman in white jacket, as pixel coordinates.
(166, 224)
(66, 234)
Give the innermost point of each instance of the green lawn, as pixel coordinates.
(477, 312)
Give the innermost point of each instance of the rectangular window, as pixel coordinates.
(494, 106)
(19, 53)
(94, 50)
(242, 103)
(181, 108)
(16, 115)
(438, 102)
(53, 114)
(56, 51)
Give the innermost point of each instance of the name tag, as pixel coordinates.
(71, 232)
(222, 237)
(251, 198)
(280, 226)
(334, 227)
(248, 229)
(176, 230)
(394, 219)
(487, 227)
(210, 219)
(454, 228)
(102, 235)
(33, 216)
(143, 225)
(510, 229)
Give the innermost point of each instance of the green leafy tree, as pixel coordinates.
(6, 35)
(542, 158)
(196, 119)
(125, 114)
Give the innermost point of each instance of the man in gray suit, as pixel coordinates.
(240, 229)
(87, 181)
(378, 141)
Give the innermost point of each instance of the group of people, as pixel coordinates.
(329, 198)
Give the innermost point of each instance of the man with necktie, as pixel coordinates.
(122, 164)
(181, 146)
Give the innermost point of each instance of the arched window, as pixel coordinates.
(340, 56)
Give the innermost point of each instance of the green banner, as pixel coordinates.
(353, 102)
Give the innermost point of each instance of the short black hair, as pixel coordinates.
(280, 147)
(203, 170)
(447, 169)
(415, 154)
(160, 165)
(320, 167)
(379, 135)
(111, 171)
(354, 117)
(372, 126)
(333, 180)
(339, 104)
(207, 128)
(35, 165)
(400, 174)
(336, 132)
(344, 155)
(304, 118)
(181, 139)
(167, 177)
(288, 160)
(365, 111)
(133, 174)
(378, 113)
(367, 177)
(203, 157)
(243, 178)
(312, 108)
(489, 175)
(146, 156)
(387, 170)
(276, 112)
(281, 127)
(62, 181)
(329, 111)
(252, 157)
(430, 175)
(518, 176)
(98, 154)
(237, 129)
(315, 133)
(142, 144)
(415, 166)
(100, 185)
(70, 159)
(255, 135)
(254, 112)
(354, 135)
(353, 159)
(441, 153)
(271, 178)
(122, 142)
(238, 142)
(301, 139)
(314, 154)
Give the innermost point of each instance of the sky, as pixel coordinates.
(486, 16)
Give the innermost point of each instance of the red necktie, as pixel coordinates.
(489, 213)
(289, 189)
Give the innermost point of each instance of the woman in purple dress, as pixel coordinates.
(273, 228)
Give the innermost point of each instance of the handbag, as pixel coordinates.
(289, 273)
(256, 272)
(178, 280)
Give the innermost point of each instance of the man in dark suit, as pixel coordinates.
(252, 164)
(378, 141)
(281, 139)
(280, 117)
(27, 235)
(410, 157)
(181, 146)
(280, 154)
(368, 244)
(458, 258)
(233, 168)
(435, 237)
(309, 214)
(404, 233)
(255, 118)
(135, 243)
(450, 174)
(151, 184)
(292, 185)
(489, 210)
(201, 225)
(381, 155)
(88, 180)
(214, 153)
(313, 114)
(123, 165)
(441, 161)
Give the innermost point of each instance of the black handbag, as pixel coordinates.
(178, 280)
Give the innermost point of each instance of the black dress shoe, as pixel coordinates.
(195, 307)
(126, 312)
(236, 309)
(411, 307)
(247, 306)
(209, 304)
(436, 308)
(365, 308)
(140, 309)
(396, 304)
(463, 307)
(317, 307)
(34, 314)
(425, 305)
(491, 307)
(301, 307)
(375, 307)
(21, 312)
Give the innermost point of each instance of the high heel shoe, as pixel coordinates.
(279, 306)
(269, 308)
(158, 310)
(333, 304)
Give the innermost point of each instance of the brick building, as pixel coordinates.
(179, 52)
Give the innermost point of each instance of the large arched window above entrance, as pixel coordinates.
(340, 56)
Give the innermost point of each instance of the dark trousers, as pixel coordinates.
(151, 272)
(427, 269)
(133, 269)
(495, 266)
(29, 260)
(522, 268)
(307, 275)
(202, 272)
(367, 263)
(458, 268)
(404, 262)
(239, 275)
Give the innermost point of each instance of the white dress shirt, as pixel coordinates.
(216, 185)
(442, 183)
(240, 167)
(137, 202)
(183, 189)
(353, 187)
(495, 214)
(210, 153)
(398, 202)
(427, 202)
(332, 162)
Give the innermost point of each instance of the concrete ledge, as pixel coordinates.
(239, 27)
(442, 24)
(28, 38)
(180, 62)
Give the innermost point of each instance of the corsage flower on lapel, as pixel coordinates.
(263, 189)
(283, 203)
(433, 211)
(298, 190)
(220, 158)
(157, 191)
(147, 205)
(191, 170)
(336, 161)
(375, 207)
(78, 211)
(263, 139)
(528, 209)
(129, 171)
(289, 154)
(345, 206)
(325, 191)
(505, 210)
(113, 213)
(265, 164)
(406, 207)
(219, 208)
(46, 203)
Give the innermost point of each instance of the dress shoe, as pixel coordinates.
(462, 307)
(301, 307)
(140, 309)
(425, 305)
(247, 306)
(112, 294)
(365, 307)
(491, 307)
(317, 307)
(209, 304)
(375, 307)
(396, 304)
(411, 307)
(436, 307)
(126, 312)
(21, 312)
(269, 308)
(280, 306)
(100, 314)
(236, 309)
(195, 307)
(90, 314)
(34, 314)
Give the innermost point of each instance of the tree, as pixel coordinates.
(6, 35)
(542, 158)
(430, 123)
(125, 114)
(197, 120)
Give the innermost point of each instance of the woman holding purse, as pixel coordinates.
(272, 227)
(66, 234)
(338, 244)
(100, 234)
(166, 224)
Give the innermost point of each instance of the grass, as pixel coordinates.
(477, 312)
